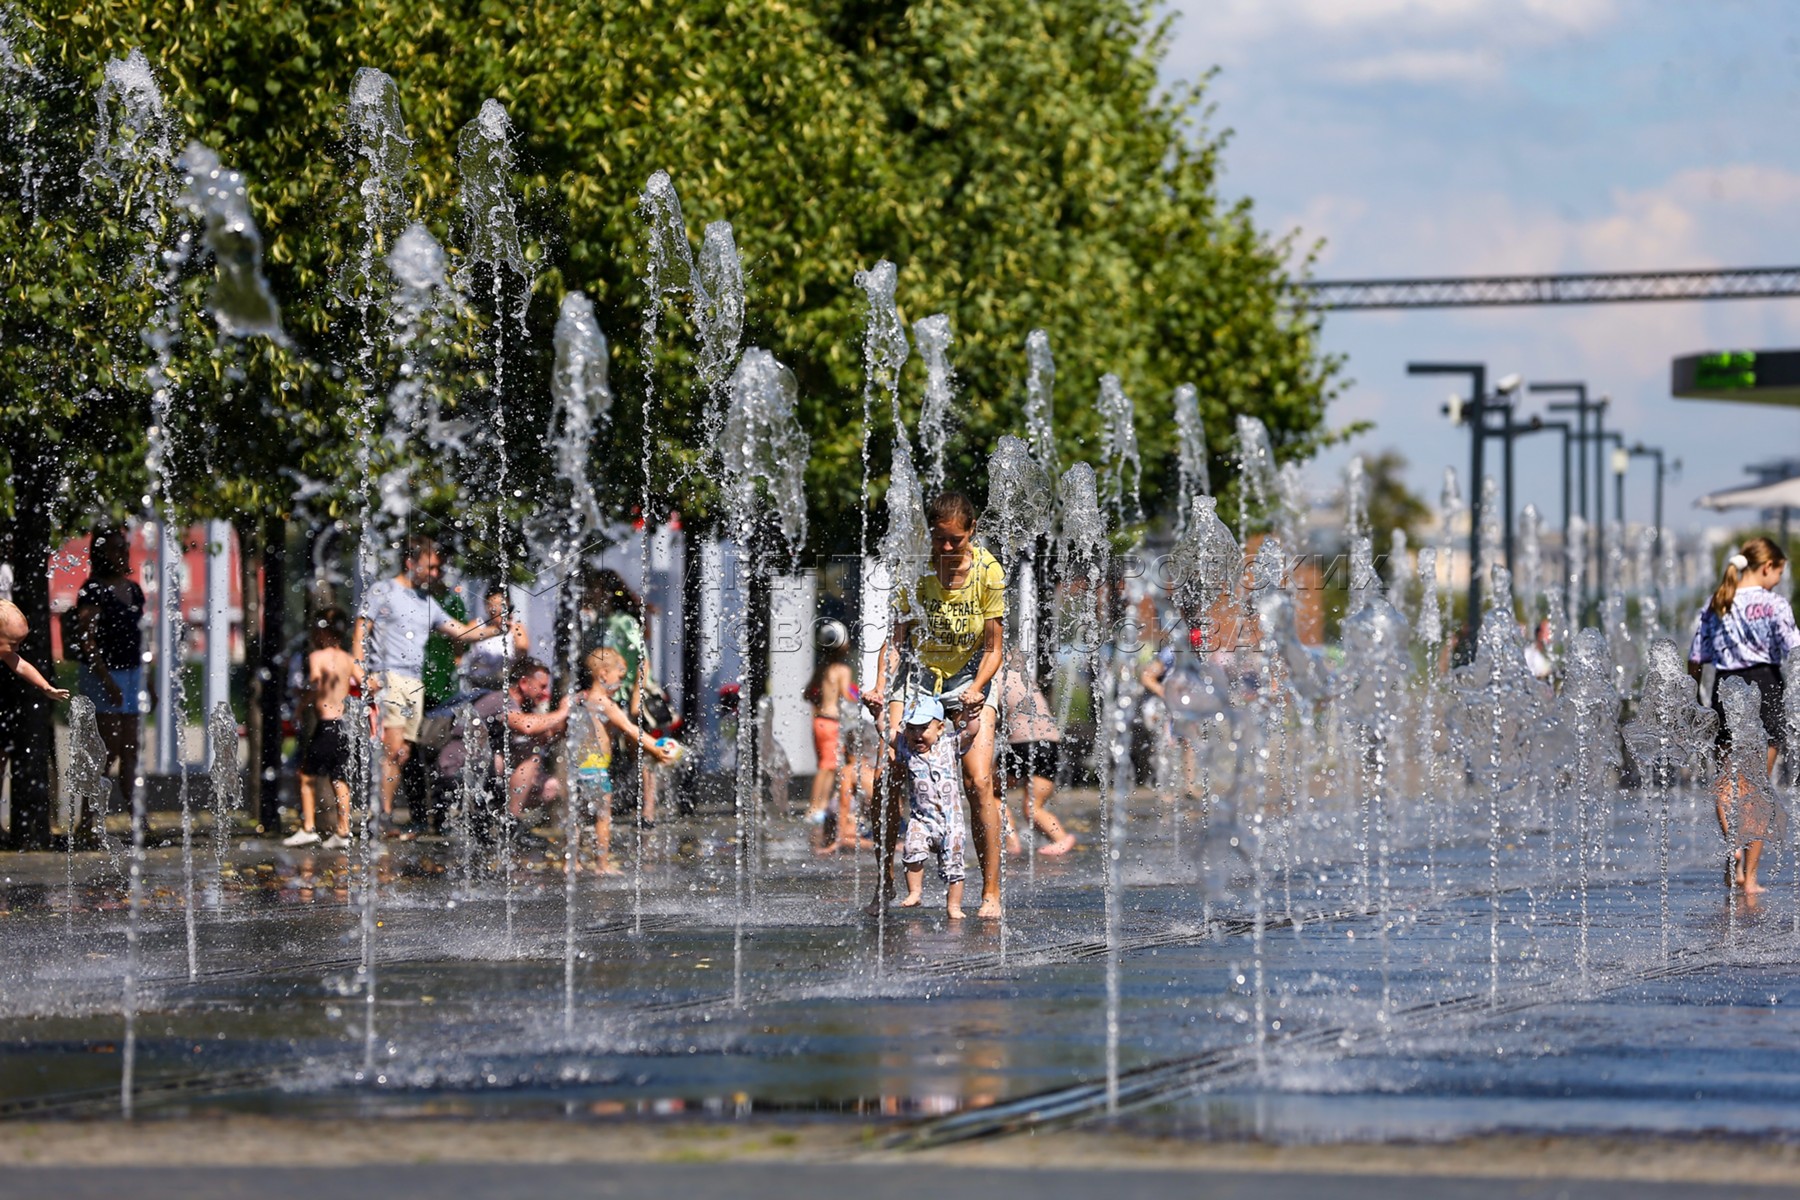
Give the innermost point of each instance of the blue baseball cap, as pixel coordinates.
(925, 710)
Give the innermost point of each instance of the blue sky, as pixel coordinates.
(1451, 137)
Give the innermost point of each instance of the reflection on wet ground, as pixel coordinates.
(815, 1010)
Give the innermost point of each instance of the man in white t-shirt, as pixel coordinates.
(396, 618)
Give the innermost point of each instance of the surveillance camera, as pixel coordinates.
(1510, 383)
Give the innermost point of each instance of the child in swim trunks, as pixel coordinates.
(930, 752)
(13, 632)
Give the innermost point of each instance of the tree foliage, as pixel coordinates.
(1021, 162)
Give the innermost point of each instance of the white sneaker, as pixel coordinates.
(304, 837)
(334, 842)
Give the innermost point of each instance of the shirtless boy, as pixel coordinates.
(13, 631)
(329, 673)
(590, 763)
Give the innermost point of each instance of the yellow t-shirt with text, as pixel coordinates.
(951, 620)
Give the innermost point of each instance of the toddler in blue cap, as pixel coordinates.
(931, 753)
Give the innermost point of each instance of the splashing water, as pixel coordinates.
(240, 301)
(377, 139)
(1492, 519)
(134, 136)
(1672, 732)
(1019, 503)
(885, 351)
(226, 776)
(762, 458)
(1206, 565)
(906, 546)
(885, 348)
(421, 297)
(578, 386)
(1193, 472)
(936, 410)
(764, 450)
(1531, 559)
(1120, 452)
(490, 220)
(1040, 401)
(1256, 471)
(1291, 506)
(1356, 499)
(719, 305)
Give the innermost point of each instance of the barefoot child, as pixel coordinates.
(13, 630)
(1745, 632)
(833, 695)
(330, 671)
(590, 761)
(930, 754)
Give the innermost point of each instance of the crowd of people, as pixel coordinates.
(916, 763)
(455, 705)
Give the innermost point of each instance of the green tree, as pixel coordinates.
(1392, 505)
(1021, 163)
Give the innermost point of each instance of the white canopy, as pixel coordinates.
(1784, 493)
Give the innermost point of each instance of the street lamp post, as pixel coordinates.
(1539, 425)
(1477, 376)
(1505, 398)
(1581, 406)
(1639, 450)
(1621, 463)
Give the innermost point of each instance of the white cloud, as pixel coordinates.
(1726, 215)
(1515, 20)
(1723, 215)
(1422, 67)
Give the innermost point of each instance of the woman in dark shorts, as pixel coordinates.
(1746, 630)
(1033, 744)
(109, 643)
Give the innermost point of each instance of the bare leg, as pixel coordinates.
(954, 901)
(1037, 796)
(818, 802)
(526, 779)
(603, 863)
(119, 733)
(844, 783)
(341, 790)
(308, 802)
(889, 785)
(978, 780)
(858, 776)
(397, 751)
(649, 793)
(915, 884)
(1752, 856)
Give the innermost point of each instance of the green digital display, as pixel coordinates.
(1726, 371)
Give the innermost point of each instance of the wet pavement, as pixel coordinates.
(772, 1181)
(1446, 1011)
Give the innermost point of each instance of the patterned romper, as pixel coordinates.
(935, 823)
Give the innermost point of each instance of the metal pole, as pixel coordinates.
(1565, 449)
(1599, 539)
(1659, 516)
(1580, 406)
(1477, 375)
(1506, 452)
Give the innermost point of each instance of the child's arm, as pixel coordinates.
(30, 675)
(620, 720)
